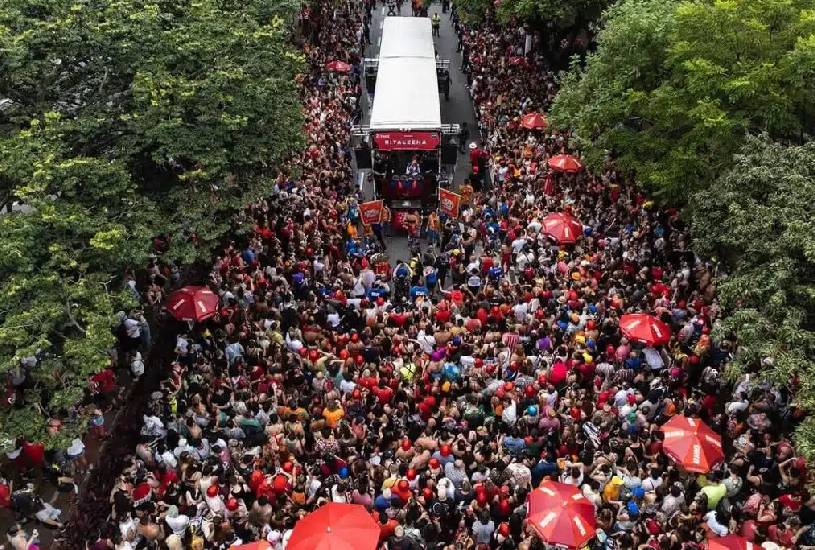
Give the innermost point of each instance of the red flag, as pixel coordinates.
(549, 186)
(371, 212)
(449, 202)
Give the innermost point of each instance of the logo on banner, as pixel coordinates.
(371, 212)
(407, 141)
(449, 202)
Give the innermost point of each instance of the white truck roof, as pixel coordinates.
(407, 90)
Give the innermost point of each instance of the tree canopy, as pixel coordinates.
(758, 220)
(674, 87)
(556, 14)
(126, 120)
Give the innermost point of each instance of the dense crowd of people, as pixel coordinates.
(439, 404)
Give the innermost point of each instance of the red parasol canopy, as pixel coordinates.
(730, 542)
(561, 514)
(692, 444)
(338, 66)
(534, 121)
(565, 163)
(645, 329)
(335, 526)
(192, 303)
(259, 545)
(562, 227)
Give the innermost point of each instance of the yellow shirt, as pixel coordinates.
(332, 418)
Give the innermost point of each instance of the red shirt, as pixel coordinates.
(383, 394)
(5, 496)
(368, 382)
(105, 381)
(558, 373)
(443, 315)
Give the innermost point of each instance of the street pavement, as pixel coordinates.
(458, 109)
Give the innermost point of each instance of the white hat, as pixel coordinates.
(76, 448)
(473, 145)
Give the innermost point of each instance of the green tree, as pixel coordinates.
(128, 119)
(189, 95)
(758, 220)
(557, 14)
(58, 266)
(674, 87)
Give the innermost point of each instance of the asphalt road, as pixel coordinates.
(458, 109)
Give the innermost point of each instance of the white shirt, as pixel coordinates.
(132, 328)
(178, 524)
(520, 311)
(653, 358)
(518, 245)
(426, 341)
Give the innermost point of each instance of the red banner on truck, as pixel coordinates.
(407, 141)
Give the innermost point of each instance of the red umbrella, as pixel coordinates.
(338, 66)
(562, 227)
(565, 163)
(645, 329)
(730, 542)
(561, 514)
(192, 303)
(692, 444)
(335, 526)
(534, 121)
(259, 545)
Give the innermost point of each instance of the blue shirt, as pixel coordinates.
(515, 445)
(249, 256)
(417, 291)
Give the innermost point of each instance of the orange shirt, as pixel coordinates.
(332, 418)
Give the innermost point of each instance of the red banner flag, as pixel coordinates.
(449, 202)
(371, 212)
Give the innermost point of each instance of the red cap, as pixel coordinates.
(411, 474)
(406, 444)
(434, 463)
(403, 486)
(288, 467)
(445, 450)
(212, 491)
(232, 504)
